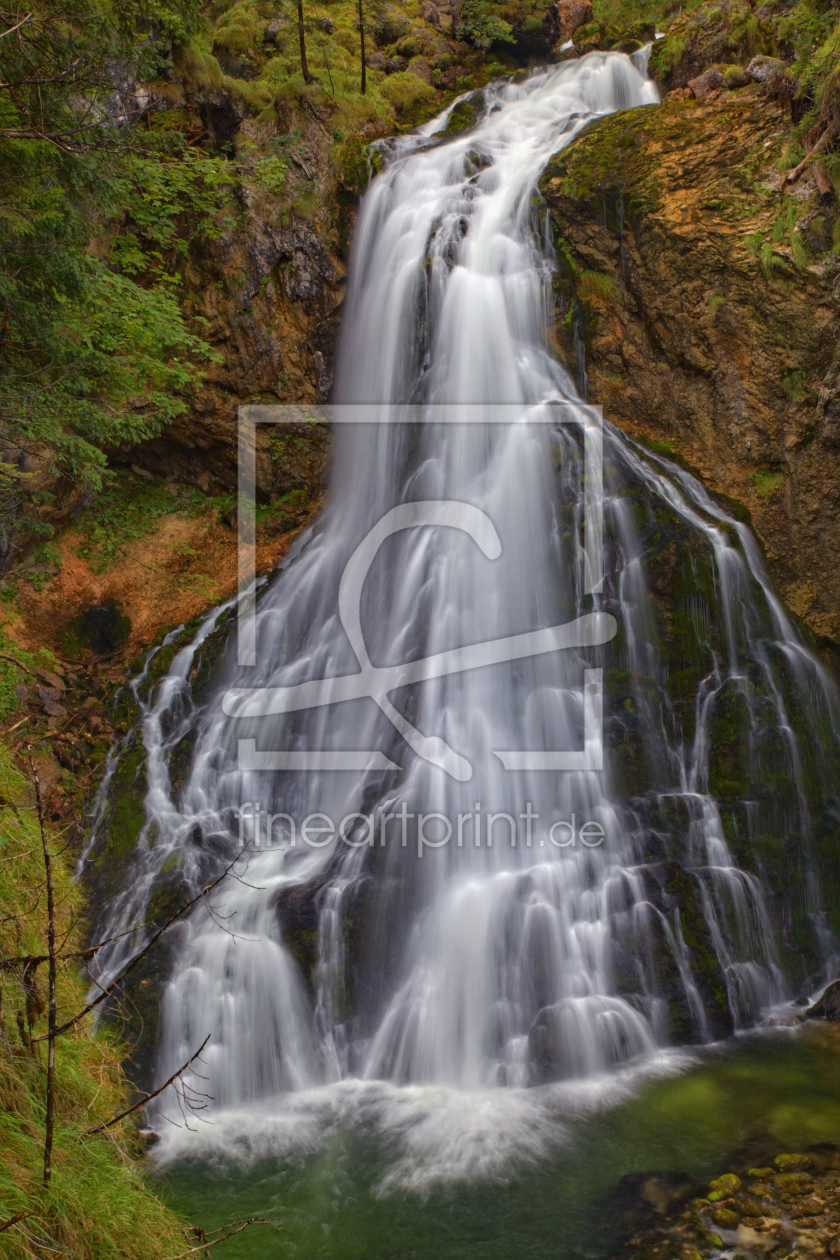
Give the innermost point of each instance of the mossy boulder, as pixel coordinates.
(465, 115)
(718, 31)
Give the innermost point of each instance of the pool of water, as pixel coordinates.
(369, 1172)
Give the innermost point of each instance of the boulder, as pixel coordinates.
(391, 65)
(718, 77)
(568, 15)
(430, 13)
(707, 82)
(421, 68)
(762, 68)
(828, 1005)
(273, 29)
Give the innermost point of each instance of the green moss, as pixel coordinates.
(665, 56)
(723, 1187)
(465, 115)
(788, 1163)
(405, 90)
(767, 483)
(597, 285)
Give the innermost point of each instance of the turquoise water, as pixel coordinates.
(745, 1102)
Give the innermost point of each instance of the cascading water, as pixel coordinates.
(486, 962)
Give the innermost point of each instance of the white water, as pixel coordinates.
(473, 966)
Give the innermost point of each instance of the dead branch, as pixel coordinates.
(822, 143)
(109, 989)
(252, 1220)
(108, 1124)
(11, 31)
(21, 1216)
(51, 1015)
(4, 656)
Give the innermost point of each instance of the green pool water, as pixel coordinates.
(351, 1194)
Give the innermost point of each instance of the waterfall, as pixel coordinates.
(523, 950)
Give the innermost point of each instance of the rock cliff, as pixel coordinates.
(706, 298)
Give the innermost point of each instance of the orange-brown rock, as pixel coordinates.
(707, 301)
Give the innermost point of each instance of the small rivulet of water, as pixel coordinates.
(666, 888)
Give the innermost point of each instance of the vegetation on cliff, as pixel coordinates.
(96, 1203)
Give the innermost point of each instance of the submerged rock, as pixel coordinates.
(766, 1212)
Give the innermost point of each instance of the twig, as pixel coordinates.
(11, 31)
(51, 1017)
(252, 1220)
(109, 989)
(21, 1216)
(107, 1124)
(4, 656)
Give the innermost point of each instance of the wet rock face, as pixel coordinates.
(705, 308)
(570, 14)
(828, 1006)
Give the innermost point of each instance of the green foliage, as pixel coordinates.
(270, 173)
(483, 25)
(666, 54)
(240, 29)
(767, 483)
(797, 249)
(769, 261)
(89, 358)
(793, 383)
(165, 195)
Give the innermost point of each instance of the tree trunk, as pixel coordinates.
(362, 33)
(51, 1015)
(307, 77)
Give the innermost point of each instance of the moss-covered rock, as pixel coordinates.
(727, 31)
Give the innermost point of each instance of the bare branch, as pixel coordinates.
(4, 656)
(107, 1124)
(21, 1216)
(252, 1220)
(109, 989)
(12, 29)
